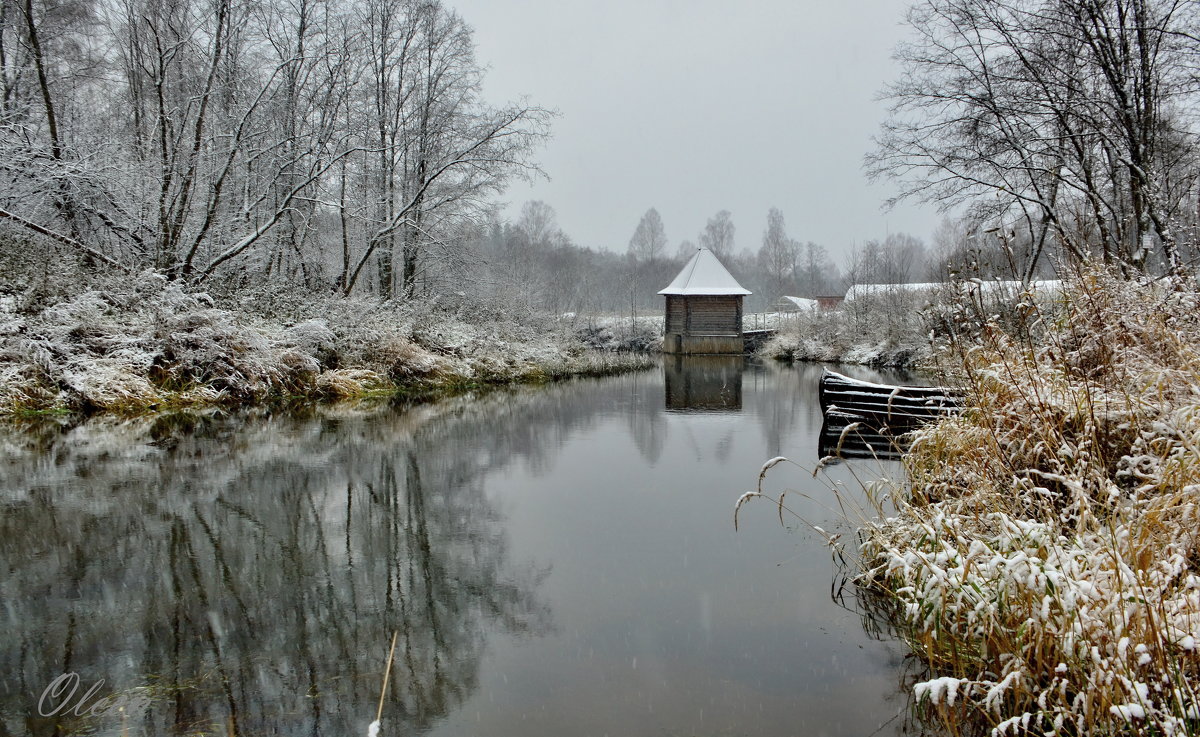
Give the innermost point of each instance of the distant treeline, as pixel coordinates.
(532, 258)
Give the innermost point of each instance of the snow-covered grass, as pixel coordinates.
(622, 333)
(884, 331)
(1045, 560)
(148, 343)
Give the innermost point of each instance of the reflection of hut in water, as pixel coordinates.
(704, 383)
(704, 308)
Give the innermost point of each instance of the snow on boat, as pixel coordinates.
(863, 419)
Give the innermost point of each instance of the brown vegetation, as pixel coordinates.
(1044, 563)
(151, 345)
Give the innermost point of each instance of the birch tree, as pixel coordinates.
(441, 150)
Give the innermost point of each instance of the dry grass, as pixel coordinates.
(147, 344)
(349, 383)
(877, 331)
(1045, 562)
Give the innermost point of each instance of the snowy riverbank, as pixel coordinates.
(896, 339)
(149, 344)
(1043, 558)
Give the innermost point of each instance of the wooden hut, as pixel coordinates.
(704, 308)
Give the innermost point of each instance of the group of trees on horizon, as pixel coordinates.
(532, 259)
(781, 265)
(345, 147)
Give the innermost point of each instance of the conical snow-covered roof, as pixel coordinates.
(704, 274)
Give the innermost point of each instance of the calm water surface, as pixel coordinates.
(555, 561)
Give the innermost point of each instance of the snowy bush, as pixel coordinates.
(644, 334)
(146, 342)
(852, 336)
(315, 338)
(403, 360)
(1046, 561)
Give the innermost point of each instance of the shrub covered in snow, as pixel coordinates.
(1046, 562)
(147, 342)
(876, 332)
(643, 334)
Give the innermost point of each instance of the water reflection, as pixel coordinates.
(849, 437)
(557, 560)
(704, 383)
(248, 574)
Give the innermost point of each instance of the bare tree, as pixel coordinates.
(441, 150)
(649, 241)
(901, 259)
(685, 250)
(950, 241)
(1060, 118)
(539, 223)
(717, 235)
(778, 256)
(816, 274)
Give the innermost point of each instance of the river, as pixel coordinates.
(557, 560)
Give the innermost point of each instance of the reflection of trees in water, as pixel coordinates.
(251, 571)
(790, 399)
(255, 567)
(645, 416)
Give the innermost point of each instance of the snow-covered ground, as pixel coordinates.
(1044, 556)
(870, 337)
(149, 343)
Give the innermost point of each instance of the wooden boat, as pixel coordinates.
(864, 419)
(847, 437)
(884, 404)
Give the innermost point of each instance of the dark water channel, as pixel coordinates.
(556, 561)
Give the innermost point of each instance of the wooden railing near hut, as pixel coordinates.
(865, 420)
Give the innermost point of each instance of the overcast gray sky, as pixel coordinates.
(693, 107)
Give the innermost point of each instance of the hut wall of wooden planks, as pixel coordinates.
(703, 309)
(704, 324)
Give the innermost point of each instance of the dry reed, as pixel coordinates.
(1045, 563)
